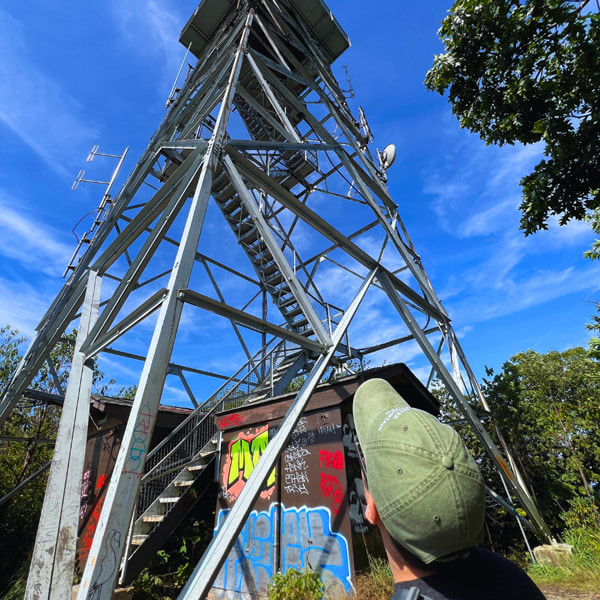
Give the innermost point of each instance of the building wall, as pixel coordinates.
(307, 513)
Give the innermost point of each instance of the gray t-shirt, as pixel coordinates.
(483, 575)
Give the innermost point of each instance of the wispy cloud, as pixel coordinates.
(476, 188)
(22, 305)
(151, 28)
(37, 109)
(30, 242)
(500, 271)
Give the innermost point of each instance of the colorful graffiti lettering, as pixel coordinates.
(331, 488)
(229, 421)
(139, 447)
(87, 536)
(306, 541)
(243, 456)
(333, 460)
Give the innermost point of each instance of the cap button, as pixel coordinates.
(447, 461)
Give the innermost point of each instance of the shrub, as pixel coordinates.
(295, 585)
(375, 584)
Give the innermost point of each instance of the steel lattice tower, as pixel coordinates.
(260, 141)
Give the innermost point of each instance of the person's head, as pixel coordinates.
(423, 484)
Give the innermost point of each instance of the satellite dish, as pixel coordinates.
(388, 156)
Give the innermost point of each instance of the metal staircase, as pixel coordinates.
(181, 469)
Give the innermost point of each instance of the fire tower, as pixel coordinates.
(257, 221)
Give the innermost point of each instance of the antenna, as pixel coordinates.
(175, 89)
(364, 124)
(386, 160)
(350, 90)
(101, 211)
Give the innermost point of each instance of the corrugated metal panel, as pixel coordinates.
(211, 14)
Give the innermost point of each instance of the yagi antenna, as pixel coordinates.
(350, 90)
(102, 209)
(364, 124)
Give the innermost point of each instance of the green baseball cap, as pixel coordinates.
(426, 485)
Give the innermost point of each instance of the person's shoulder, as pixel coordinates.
(493, 567)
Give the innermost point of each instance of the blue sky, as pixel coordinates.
(78, 74)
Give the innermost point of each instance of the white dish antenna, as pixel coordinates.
(388, 156)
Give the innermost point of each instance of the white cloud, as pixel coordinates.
(520, 292)
(152, 29)
(476, 188)
(22, 305)
(30, 242)
(35, 107)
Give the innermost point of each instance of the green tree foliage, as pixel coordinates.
(548, 408)
(25, 446)
(527, 71)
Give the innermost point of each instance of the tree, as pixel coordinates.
(527, 71)
(26, 445)
(548, 408)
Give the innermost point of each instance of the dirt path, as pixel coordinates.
(555, 592)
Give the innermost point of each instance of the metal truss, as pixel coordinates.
(258, 161)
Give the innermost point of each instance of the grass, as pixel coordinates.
(376, 584)
(583, 571)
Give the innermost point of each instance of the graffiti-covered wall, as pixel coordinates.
(311, 512)
(302, 518)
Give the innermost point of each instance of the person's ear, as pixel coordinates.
(371, 513)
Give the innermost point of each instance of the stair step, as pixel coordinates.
(169, 500)
(153, 518)
(275, 281)
(231, 205)
(138, 540)
(193, 468)
(271, 268)
(185, 483)
(294, 312)
(287, 302)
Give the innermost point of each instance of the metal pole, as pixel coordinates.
(52, 564)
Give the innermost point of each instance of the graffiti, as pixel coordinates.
(229, 421)
(356, 507)
(328, 429)
(331, 488)
(295, 477)
(86, 494)
(348, 436)
(306, 542)
(333, 460)
(243, 456)
(90, 528)
(139, 447)
(109, 564)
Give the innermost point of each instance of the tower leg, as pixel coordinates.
(51, 573)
